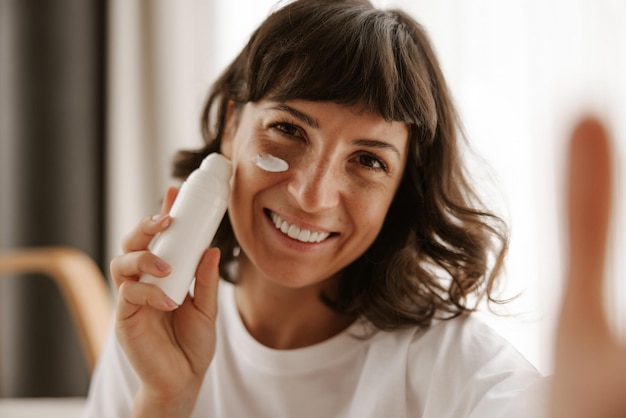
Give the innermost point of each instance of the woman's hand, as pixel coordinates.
(169, 348)
(590, 363)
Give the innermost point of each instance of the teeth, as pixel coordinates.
(303, 235)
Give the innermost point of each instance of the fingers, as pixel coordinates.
(146, 229)
(140, 237)
(589, 206)
(132, 265)
(207, 279)
(168, 200)
(589, 194)
(136, 260)
(133, 296)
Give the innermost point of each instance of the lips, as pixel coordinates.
(297, 233)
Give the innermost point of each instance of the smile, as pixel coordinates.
(302, 235)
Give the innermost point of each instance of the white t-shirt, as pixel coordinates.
(458, 368)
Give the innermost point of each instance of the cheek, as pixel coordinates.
(248, 182)
(241, 207)
(278, 158)
(267, 157)
(368, 212)
(241, 188)
(243, 182)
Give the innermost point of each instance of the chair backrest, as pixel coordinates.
(81, 283)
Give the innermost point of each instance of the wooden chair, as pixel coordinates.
(81, 283)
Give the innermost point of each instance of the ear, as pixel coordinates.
(230, 127)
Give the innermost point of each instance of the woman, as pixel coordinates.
(350, 273)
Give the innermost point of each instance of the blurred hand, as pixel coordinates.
(590, 363)
(169, 348)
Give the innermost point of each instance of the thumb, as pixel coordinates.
(590, 189)
(207, 280)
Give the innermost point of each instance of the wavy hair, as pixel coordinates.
(440, 251)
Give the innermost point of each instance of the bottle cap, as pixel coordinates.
(221, 166)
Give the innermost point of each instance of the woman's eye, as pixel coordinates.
(372, 162)
(286, 128)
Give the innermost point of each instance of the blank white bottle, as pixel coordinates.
(196, 214)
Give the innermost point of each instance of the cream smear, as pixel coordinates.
(270, 163)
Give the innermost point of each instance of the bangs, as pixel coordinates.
(349, 54)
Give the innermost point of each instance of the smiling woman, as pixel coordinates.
(352, 271)
(390, 74)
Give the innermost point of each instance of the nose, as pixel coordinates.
(315, 187)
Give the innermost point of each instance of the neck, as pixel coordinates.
(287, 318)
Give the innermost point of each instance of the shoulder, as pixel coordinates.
(472, 368)
(467, 339)
(457, 368)
(463, 344)
(467, 346)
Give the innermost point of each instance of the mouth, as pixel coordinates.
(297, 233)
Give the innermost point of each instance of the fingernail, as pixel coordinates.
(161, 265)
(164, 220)
(170, 303)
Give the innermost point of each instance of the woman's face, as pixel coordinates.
(301, 225)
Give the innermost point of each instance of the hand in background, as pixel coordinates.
(590, 364)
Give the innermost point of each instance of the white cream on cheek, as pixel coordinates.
(268, 162)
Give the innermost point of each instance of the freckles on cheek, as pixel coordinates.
(238, 183)
(372, 211)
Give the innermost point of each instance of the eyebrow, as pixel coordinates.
(375, 143)
(302, 117)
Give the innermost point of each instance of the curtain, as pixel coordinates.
(519, 71)
(51, 180)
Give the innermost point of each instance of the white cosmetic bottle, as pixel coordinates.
(196, 214)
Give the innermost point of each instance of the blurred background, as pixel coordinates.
(96, 97)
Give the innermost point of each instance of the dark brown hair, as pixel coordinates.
(438, 252)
